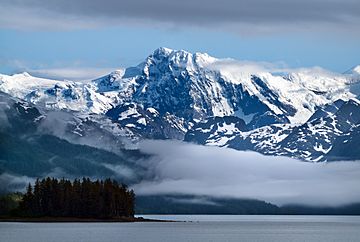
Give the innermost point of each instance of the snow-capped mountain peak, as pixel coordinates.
(177, 59)
(163, 51)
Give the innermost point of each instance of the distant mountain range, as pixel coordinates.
(309, 114)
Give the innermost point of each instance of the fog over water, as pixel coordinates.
(183, 168)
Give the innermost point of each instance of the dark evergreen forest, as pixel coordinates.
(84, 198)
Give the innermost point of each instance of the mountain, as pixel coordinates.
(310, 114)
(32, 146)
(175, 204)
(326, 133)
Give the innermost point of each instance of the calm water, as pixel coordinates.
(202, 228)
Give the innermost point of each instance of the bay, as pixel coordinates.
(196, 228)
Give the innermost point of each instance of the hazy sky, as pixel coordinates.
(99, 35)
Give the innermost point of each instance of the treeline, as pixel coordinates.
(84, 198)
(9, 203)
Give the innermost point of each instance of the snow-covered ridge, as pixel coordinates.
(193, 85)
(57, 94)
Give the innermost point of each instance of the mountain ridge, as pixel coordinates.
(174, 94)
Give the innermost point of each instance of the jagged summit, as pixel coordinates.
(166, 60)
(163, 51)
(179, 58)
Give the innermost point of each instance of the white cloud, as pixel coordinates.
(234, 68)
(121, 170)
(62, 70)
(10, 182)
(73, 73)
(211, 171)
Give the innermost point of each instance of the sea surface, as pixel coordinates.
(196, 228)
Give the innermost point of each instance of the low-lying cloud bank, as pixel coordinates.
(183, 168)
(9, 182)
(73, 73)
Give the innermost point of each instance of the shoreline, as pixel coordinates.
(80, 220)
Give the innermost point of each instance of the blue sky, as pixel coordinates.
(63, 41)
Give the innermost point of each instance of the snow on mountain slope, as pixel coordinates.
(318, 139)
(55, 94)
(31, 145)
(175, 82)
(301, 90)
(20, 85)
(176, 94)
